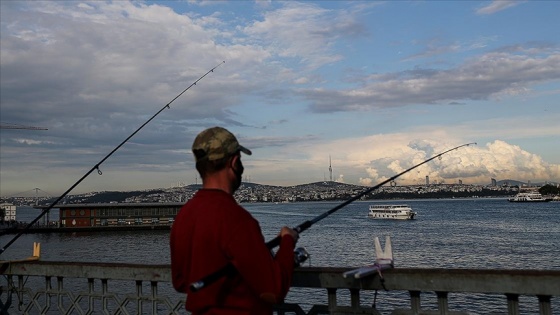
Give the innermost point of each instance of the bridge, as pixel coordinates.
(49, 287)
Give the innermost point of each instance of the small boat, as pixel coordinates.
(528, 197)
(397, 212)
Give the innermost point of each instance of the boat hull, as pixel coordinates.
(408, 217)
(528, 197)
(391, 212)
(543, 200)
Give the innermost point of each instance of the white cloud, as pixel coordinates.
(304, 31)
(339, 179)
(372, 159)
(484, 77)
(498, 5)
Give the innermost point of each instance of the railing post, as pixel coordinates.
(513, 304)
(443, 306)
(48, 291)
(20, 291)
(91, 290)
(104, 299)
(60, 287)
(355, 298)
(138, 295)
(153, 285)
(331, 292)
(415, 305)
(544, 305)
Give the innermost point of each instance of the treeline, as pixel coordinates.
(549, 190)
(441, 194)
(106, 196)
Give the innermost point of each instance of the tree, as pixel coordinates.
(549, 190)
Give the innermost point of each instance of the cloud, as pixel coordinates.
(305, 32)
(92, 60)
(339, 179)
(497, 6)
(436, 46)
(380, 157)
(93, 72)
(488, 76)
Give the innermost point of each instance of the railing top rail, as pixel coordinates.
(515, 281)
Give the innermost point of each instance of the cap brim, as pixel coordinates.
(245, 150)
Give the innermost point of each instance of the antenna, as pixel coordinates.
(330, 167)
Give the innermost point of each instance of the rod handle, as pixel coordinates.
(211, 278)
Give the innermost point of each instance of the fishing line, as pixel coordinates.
(96, 166)
(230, 269)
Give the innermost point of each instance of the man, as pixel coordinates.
(213, 230)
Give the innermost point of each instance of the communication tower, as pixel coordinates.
(330, 168)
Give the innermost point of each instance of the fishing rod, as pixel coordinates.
(230, 269)
(96, 166)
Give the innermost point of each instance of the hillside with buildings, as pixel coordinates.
(318, 191)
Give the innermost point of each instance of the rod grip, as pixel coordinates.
(273, 242)
(228, 269)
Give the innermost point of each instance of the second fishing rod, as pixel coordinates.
(229, 269)
(96, 166)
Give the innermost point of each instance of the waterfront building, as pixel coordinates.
(8, 211)
(117, 214)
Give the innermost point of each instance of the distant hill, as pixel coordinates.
(328, 184)
(511, 182)
(322, 184)
(322, 190)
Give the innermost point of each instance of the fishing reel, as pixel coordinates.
(300, 256)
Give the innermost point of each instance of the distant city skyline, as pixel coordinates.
(353, 91)
(40, 193)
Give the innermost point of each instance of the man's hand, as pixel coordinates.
(288, 231)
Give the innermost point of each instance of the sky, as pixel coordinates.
(369, 88)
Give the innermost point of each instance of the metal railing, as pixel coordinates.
(45, 287)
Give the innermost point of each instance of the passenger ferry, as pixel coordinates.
(528, 197)
(397, 212)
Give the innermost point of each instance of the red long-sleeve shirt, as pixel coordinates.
(212, 230)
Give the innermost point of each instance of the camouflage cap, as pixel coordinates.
(216, 143)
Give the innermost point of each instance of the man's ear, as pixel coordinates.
(233, 160)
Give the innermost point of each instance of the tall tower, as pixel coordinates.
(330, 168)
(427, 180)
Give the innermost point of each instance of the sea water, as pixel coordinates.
(478, 233)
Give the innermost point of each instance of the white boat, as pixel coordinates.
(528, 197)
(397, 212)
